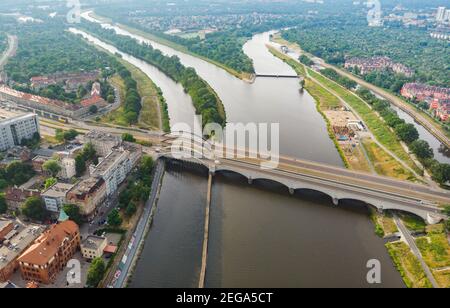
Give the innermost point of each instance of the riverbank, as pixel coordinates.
(429, 123)
(247, 77)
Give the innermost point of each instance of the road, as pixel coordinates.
(130, 255)
(412, 244)
(12, 47)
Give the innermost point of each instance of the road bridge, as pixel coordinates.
(383, 193)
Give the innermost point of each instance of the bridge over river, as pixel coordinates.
(383, 193)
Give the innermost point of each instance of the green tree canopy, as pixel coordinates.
(114, 219)
(34, 208)
(74, 213)
(3, 205)
(52, 167)
(96, 272)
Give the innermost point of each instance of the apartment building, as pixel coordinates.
(16, 244)
(50, 252)
(88, 195)
(114, 169)
(55, 196)
(102, 142)
(14, 130)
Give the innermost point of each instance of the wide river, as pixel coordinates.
(260, 236)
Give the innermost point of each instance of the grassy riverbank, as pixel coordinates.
(150, 116)
(374, 122)
(408, 265)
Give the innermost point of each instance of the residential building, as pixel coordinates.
(72, 81)
(68, 168)
(440, 14)
(15, 246)
(102, 142)
(6, 226)
(367, 65)
(14, 130)
(423, 92)
(50, 252)
(114, 169)
(38, 163)
(88, 195)
(55, 196)
(16, 196)
(43, 104)
(93, 246)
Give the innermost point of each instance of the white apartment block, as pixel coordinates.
(55, 196)
(68, 168)
(114, 169)
(14, 130)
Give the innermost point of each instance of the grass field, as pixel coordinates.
(298, 67)
(375, 124)
(408, 265)
(384, 163)
(149, 116)
(325, 99)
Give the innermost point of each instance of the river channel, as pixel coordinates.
(260, 236)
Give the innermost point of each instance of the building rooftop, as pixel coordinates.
(9, 121)
(59, 190)
(109, 161)
(4, 224)
(46, 246)
(87, 186)
(93, 242)
(18, 244)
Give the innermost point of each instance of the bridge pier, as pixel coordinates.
(335, 201)
(291, 191)
(250, 180)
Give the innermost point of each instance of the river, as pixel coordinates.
(260, 236)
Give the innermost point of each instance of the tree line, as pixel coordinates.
(205, 100)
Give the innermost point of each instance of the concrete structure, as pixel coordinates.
(102, 142)
(68, 168)
(55, 196)
(43, 104)
(93, 246)
(114, 169)
(88, 195)
(50, 253)
(11, 251)
(383, 193)
(6, 226)
(14, 130)
(38, 163)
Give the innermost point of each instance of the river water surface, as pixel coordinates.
(260, 236)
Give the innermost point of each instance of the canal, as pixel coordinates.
(260, 236)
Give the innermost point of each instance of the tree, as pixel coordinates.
(131, 209)
(110, 99)
(93, 109)
(80, 164)
(50, 182)
(66, 135)
(128, 137)
(114, 219)
(52, 167)
(3, 205)
(440, 172)
(407, 132)
(96, 272)
(18, 173)
(74, 213)
(421, 149)
(34, 208)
